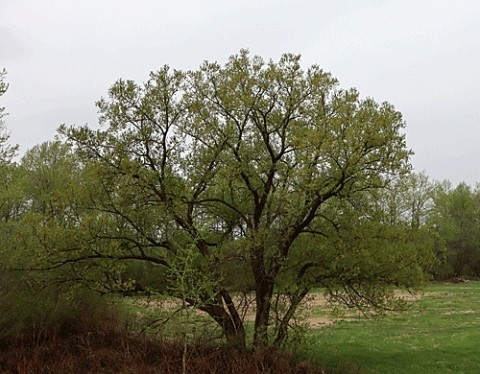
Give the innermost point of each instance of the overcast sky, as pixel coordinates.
(423, 56)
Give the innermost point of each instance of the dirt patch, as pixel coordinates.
(460, 312)
(320, 321)
(314, 304)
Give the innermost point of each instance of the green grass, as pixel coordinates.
(440, 333)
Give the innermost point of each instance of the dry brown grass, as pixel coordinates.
(99, 344)
(123, 354)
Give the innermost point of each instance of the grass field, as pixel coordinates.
(440, 333)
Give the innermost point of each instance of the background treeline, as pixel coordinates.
(450, 213)
(455, 217)
(44, 199)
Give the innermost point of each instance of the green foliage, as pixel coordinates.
(33, 311)
(190, 278)
(7, 151)
(45, 186)
(12, 201)
(260, 166)
(410, 201)
(457, 221)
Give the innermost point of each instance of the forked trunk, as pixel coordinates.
(229, 320)
(236, 337)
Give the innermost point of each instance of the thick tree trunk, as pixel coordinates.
(263, 294)
(234, 328)
(229, 320)
(264, 285)
(235, 336)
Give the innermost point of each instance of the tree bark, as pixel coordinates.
(235, 336)
(229, 321)
(263, 294)
(281, 333)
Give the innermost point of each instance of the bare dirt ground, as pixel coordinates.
(316, 311)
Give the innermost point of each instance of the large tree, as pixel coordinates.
(256, 163)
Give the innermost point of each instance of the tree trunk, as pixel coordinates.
(234, 328)
(235, 336)
(229, 321)
(263, 294)
(264, 285)
(281, 333)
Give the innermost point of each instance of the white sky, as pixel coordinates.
(423, 56)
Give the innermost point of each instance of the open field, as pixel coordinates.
(440, 333)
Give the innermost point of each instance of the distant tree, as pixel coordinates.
(258, 163)
(457, 221)
(40, 213)
(10, 193)
(7, 151)
(50, 191)
(409, 199)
